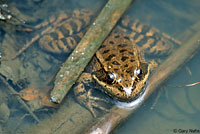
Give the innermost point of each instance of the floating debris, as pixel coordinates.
(8, 16)
(29, 94)
(188, 85)
(36, 99)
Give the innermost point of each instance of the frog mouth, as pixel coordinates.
(128, 90)
(119, 93)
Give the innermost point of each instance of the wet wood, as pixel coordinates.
(87, 47)
(107, 123)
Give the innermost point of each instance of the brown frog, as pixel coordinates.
(123, 71)
(119, 68)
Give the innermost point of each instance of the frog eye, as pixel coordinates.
(140, 72)
(110, 78)
(136, 74)
(112, 75)
(137, 71)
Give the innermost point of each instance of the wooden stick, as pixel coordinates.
(87, 47)
(107, 123)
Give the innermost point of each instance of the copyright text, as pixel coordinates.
(186, 131)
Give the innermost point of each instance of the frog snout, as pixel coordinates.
(128, 90)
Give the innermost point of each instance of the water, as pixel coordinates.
(167, 110)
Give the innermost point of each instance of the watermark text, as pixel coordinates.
(186, 131)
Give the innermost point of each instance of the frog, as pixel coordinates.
(118, 68)
(121, 66)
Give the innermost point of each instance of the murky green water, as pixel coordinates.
(168, 110)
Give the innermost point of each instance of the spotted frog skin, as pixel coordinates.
(118, 68)
(122, 71)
